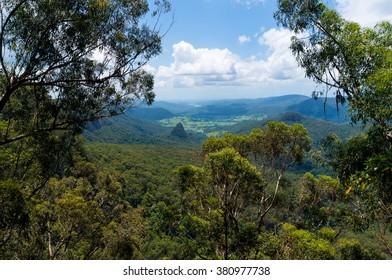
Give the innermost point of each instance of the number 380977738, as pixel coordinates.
(244, 270)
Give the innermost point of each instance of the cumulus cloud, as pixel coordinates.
(243, 39)
(220, 67)
(281, 62)
(195, 67)
(365, 12)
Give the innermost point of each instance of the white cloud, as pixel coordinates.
(365, 12)
(281, 62)
(191, 61)
(243, 39)
(196, 67)
(202, 67)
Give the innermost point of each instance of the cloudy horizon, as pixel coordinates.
(234, 49)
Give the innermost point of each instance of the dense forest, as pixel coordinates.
(83, 177)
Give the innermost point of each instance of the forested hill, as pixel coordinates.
(326, 109)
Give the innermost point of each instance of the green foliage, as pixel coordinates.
(145, 169)
(231, 185)
(14, 209)
(234, 199)
(291, 244)
(280, 145)
(363, 164)
(126, 129)
(298, 15)
(214, 198)
(352, 250)
(234, 180)
(238, 142)
(354, 61)
(123, 237)
(320, 203)
(123, 202)
(59, 206)
(50, 70)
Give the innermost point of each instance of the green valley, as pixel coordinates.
(216, 127)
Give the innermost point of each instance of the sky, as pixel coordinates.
(228, 49)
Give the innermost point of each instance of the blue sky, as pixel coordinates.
(220, 49)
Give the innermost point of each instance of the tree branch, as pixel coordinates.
(57, 127)
(13, 11)
(262, 215)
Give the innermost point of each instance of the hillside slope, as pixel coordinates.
(317, 128)
(323, 109)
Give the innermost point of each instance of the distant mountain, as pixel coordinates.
(173, 107)
(270, 106)
(281, 101)
(322, 109)
(218, 111)
(319, 128)
(141, 124)
(149, 113)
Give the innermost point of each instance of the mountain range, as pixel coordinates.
(143, 124)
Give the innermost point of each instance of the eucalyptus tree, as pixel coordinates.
(352, 61)
(74, 61)
(275, 149)
(356, 63)
(225, 201)
(62, 64)
(214, 199)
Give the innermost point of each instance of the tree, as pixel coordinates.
(292, 243)
(81, 216)
(14, 213)
(275, 148)
(321, 203)
(238, 142)
(68, 62)
(364, 165)
(228, 197)
(236, 183)
(214, 198)
(354, 62)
